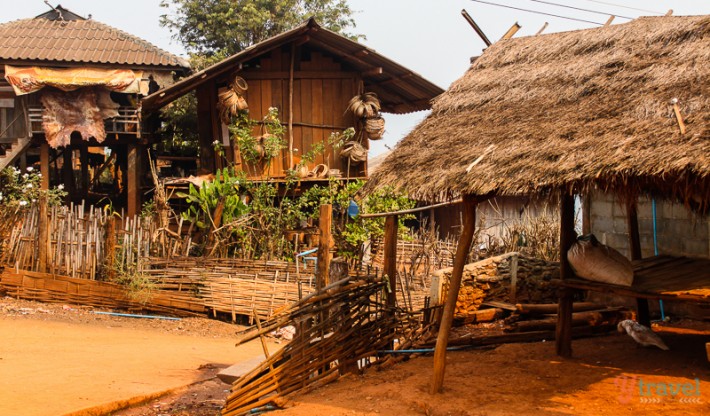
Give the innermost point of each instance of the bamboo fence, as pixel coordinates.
(43, 287)
(339, 329)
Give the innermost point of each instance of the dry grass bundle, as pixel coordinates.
(570, 111)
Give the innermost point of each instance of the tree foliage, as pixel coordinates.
(209, 27)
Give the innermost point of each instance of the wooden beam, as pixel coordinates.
(373, 71)
(390, 258)
(511, 32)
(84, 160)
(68, 173)
(324, 223)
(43, 233)
(609, 20)
(469, 205)
(133, 173)
(44, 164)
(476, 28)
(563, 332)
(542, 29)
(642, 310)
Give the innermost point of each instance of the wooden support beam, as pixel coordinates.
(68, 173)
(373, 71)
(609, 20)
(563, 332)
(44, 164)
(469, 211)
(84, 160)
(324, 223)
(43, 234)
(133, 189)
(643, 314)
(390, 258)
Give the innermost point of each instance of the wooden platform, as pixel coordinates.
(659, 277)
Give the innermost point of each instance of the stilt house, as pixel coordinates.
(308, 74)
(70, 90)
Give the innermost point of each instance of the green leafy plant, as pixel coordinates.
(203, 201)
(265, 147)
(20, 190)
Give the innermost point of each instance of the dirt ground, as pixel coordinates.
(608, 375)
(61, 359)
(603, 378)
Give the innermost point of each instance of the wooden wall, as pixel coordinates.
(322, 89)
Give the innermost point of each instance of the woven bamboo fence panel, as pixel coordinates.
(338, 330)
(233, 286)
(49, 288)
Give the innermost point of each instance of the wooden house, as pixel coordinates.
(71, 89)
(309, 74)
(621, 109)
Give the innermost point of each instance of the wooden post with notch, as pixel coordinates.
(642, 309)
(43, 233)
(563, 332)
(390, 258)
(462, 250)
(324, 224)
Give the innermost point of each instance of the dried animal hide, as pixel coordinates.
(67, 112)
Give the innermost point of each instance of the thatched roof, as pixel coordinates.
(572, 110)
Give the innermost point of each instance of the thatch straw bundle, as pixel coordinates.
(572, 111)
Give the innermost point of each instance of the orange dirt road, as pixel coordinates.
(58, 368)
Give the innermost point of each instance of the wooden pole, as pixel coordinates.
(110, 247)
(563, 333)
(464, 245)
(84, 152)
(68, 173)
(324, 224)
(390, 257)
(642, 310)
(44, 164)
(133, 188)
(43, 234)
(290, 107)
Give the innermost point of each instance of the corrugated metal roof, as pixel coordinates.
(79, 40)
(400, 90)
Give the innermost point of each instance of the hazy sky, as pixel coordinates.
(428, 36)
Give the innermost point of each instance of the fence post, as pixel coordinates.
(109, 265)
(390, 258)
(43, 233)
(324, 224)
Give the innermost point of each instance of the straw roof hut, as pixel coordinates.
(570, 111)
(623, 109)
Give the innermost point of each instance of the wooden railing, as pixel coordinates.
(128, 121)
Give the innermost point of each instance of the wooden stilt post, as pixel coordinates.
(642, 310)
(390, 258)
(324, 223)
(68, 173)
(133, 172)
(464, 245)
(563, 334)
(84, 151)
(44, 164)
(43, 234)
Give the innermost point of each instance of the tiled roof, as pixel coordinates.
(79, 41)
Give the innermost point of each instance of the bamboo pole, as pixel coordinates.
(43, 233)
(469, 204)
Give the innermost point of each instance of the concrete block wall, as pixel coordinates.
(679, 231)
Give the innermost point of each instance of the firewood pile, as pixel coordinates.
(338, 330)
(510, 277)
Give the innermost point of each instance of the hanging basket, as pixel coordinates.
(375, 128)
(231, 100)
(364, 105)
(239, 85)
(354, 151)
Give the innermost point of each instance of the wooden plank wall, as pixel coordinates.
(322, 90)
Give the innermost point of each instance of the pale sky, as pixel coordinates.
(427, 36)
